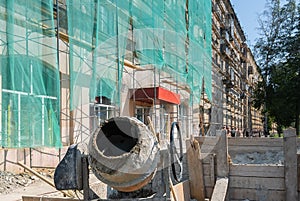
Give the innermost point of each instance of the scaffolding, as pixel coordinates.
(30, 101)
(168, 42)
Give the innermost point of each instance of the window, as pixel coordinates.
(102, 110)
(141, 113)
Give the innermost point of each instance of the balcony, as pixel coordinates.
(228, 83)
(225, 50)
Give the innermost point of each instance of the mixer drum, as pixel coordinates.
(124, 153)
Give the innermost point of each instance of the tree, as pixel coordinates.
(278, 55)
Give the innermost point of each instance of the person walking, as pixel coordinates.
(233, 132)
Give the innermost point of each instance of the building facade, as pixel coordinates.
(68, 66)
(234, 73)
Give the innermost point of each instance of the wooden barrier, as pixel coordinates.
(250, 145)
(253, 181)
(256, 182)
(214, 157)
(248, 181)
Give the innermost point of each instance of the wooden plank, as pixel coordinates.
(208, 181)
(173, 193)
(269, 142)
(251, 170)
(208, 149)
(256, 194)
(195, 170)
(220, 190)
(206, 169)
(208, 140)
(290, 163)
(68, 193)
(209, 172)
(212, 169)
(249, 149)
(207, 157)
(44, 198)
(257, 182)
(222, 164)
(208, 143)
(298, 162)
(182, 191)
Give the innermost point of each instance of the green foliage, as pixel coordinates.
(278, 56)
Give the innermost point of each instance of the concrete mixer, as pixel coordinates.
(124, 154)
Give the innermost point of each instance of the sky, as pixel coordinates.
(247, 12)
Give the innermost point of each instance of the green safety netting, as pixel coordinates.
(97, 41)
(99, 38)
(99, 35)
(30, 102)
(199, 52)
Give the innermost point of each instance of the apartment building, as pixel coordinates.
(234, 73)
(66, 66)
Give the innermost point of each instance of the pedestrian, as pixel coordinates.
(233, 131)
(247, 133)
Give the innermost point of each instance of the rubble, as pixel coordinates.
(10, 181)
(262, 158)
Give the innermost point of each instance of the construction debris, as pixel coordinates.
(10, 181)
(263, 158)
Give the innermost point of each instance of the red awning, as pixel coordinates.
(157, 93)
